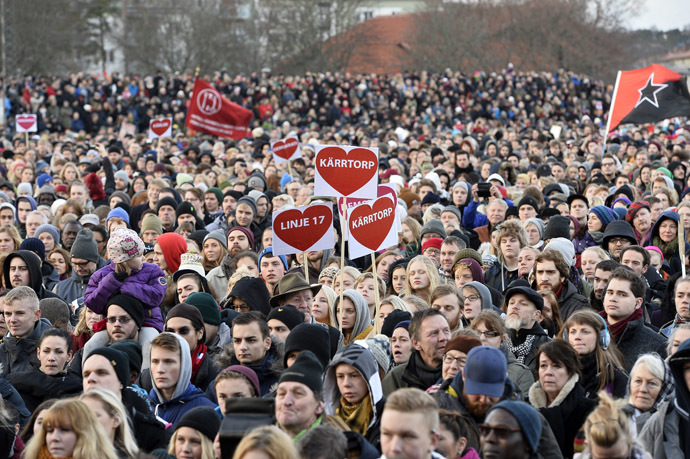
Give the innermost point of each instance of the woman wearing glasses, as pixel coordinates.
(492, 332)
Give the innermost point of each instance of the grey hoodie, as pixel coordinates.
(363, 319)
(484, 293)
(185, 369)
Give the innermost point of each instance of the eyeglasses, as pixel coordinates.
(489, 334)
(240, 308)
(501, 432)
(607, 164)
(449, 359)
(82, 264)
(124, 320)
(471, 298)
(618, 240)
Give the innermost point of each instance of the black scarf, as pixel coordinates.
(419, 374)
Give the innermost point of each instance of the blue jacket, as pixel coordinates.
(173, 410)
(471, 219)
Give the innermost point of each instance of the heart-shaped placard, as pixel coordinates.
(302, 230)
(26, 121)
(370, 223)
(384, 190)
(161, 126)
(346, 172)
(285, 148)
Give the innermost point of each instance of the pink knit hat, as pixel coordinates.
(123, 245)
(657, 250)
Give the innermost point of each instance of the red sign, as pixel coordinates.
(350, 172)
(160, 128)
(384, 190)
(212, 113)
(370, 224)
(286, 149)
(26, 123)
(302, 229)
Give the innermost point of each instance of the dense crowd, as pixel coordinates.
(534, 306)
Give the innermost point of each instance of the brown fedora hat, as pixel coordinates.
(292, 283)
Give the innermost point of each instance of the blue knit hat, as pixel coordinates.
(268, 250)
(52, 230)
(35, 245)
(284, 180)
(117, 212)
(42, 179)
(527, 417)
(604, 214)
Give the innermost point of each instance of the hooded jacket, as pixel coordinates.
(20, 354)
(33, 264)
(358, 356)
(485, 294)
(362, 325)
(252, 291)
(185, 397)
(50, 275)
(148, 285)
(671, 257)
(660, 436)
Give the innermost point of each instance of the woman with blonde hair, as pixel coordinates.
(349, 276)
(411, 235)
(422, 277)
(194, 434)
(356, 322)
(607, 432)
(70, 429)
(69, 173)
(83, 331)
(365, 285)
(111, 413)
(389, 304)
(323, 307)
(266, 442)
(9, 239)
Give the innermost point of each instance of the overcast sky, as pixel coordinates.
(662, 14)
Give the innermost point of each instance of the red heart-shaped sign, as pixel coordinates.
(369, 224)
(160, 127)
(285, 148)
(26, 121)
(346, 172)
(384, 190)
(303, 229)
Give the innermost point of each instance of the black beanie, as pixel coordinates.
(306, 370)
(130, 304)
(203, 419)
(133, 350)
(117, 359)
(557, 226)
(187, 311)
(85, 247)
(312, 337)
(393, 319)
(528, 201)
(185, 208)
(288, 314)
(166, 201)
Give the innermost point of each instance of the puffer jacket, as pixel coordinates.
(148, 285)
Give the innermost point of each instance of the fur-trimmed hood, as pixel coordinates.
(537, 395)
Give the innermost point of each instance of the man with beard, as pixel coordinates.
(481, 385)
(429, 332)
(602, 274)
(552, 274)
(447, 299)
(523, 307)
(240, 239)
(84, 259)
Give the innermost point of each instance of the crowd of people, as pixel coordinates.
(534, 306)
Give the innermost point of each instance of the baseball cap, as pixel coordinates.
(485, 371)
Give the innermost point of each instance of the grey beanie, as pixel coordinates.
(52, 230)
(85, 246)
(249, 201)
(122, 175)
(219, 236)
(433, 226)
(538, 222)
(122, 195)
(453, 210)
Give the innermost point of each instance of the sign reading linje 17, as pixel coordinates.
(303, 229)
(343, 171)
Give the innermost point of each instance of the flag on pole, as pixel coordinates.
(647, 95)
(212, 113)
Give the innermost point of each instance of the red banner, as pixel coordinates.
(213, 114)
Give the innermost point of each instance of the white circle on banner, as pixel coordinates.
(208, 101)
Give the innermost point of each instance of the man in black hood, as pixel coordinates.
(667, 433)
(23, 267)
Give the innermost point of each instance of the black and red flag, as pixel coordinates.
(212, 113)
(647, 95)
